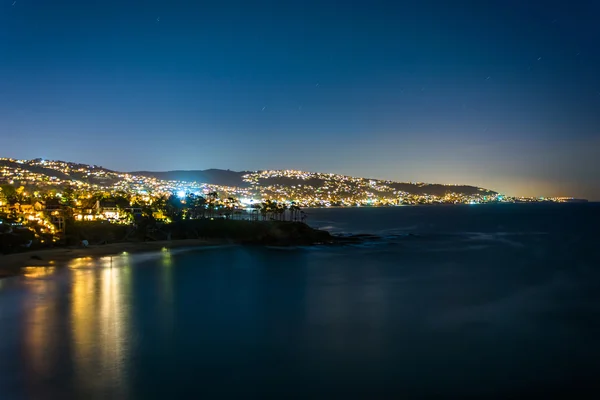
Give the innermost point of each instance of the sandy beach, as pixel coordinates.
(12, 264)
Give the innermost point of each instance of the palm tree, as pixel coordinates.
(229, 207)
(264, 209)
(255, 211)
(281, 207)
(235, 206)
(271, 208)
(294, 211)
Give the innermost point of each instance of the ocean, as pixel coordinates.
(488, 301)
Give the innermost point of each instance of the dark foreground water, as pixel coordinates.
(484, 301)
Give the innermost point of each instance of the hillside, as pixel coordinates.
(305, 188)
(315, 180)
(30, 171)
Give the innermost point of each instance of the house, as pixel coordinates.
(31, 212)
(108, 209)
(85, 214)
(38, 206)
(86, 211)
(159, 216)
(14, 207)
(55, 212)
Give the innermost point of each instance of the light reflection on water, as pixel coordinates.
(75, 322)
(165, 294)
(82, 262)
(40, 347)
(37, 271)
(100, 316)
(409, 316)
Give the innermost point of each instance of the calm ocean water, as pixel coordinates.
(479, 300)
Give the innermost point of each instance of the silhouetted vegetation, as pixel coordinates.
(238, 231)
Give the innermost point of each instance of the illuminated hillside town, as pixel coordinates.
(41, 195)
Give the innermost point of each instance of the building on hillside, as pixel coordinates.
(55, 213)
(85, 214)
(108, 209)
(4, 207)
(14, 207)
(32, 212)
(159, 216)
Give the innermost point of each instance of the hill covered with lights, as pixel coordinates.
(303, 188)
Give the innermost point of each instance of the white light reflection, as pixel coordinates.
(166, 293)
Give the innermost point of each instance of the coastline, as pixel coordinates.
(13, 264)
(208, 233)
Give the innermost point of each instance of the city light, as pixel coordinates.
(115, 197)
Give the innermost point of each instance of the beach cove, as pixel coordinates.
(15, 264)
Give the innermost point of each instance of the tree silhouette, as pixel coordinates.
(9, 192)
(281, 208)
(212, 203)
(196, 205)
(173, 208)
(294, 211)
(68, 197)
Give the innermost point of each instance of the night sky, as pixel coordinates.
(501, 94)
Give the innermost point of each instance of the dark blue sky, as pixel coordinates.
(502, 94)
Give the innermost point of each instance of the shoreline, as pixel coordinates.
(13, 264)
(208, 233)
